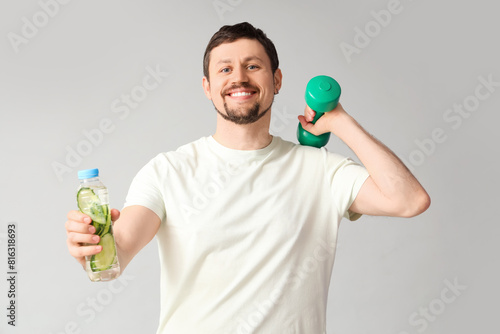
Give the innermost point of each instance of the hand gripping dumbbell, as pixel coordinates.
(322, 95)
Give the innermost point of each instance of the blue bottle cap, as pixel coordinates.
(88, 173)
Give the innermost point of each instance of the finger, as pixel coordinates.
(309, 127)
(77, 239)
(309, 114)
(302, 120)
(74, 226)
(115, 214)
(315, 129)
(82, 251)
(79, 217)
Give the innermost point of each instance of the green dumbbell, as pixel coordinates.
(322, 95)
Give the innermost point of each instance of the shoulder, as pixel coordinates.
(309, 152)
(288, 147)
(183, 154)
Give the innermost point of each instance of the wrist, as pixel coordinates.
(341, 123)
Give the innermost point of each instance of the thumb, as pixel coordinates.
(115, 214)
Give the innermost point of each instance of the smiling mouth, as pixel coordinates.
(240, 91)
(238, 94)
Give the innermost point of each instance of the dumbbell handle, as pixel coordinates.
(322, 95)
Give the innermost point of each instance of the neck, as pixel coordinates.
(243, 136)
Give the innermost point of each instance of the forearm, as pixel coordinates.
(135, 228)
(121, 251)
(392, 178)
(126, 247)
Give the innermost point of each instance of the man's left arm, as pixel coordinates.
(391, 189)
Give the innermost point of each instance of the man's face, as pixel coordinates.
(242, 85)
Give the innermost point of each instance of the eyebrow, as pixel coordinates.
(245, 60)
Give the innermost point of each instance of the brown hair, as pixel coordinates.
(228, 34)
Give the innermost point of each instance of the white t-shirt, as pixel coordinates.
(247, 238)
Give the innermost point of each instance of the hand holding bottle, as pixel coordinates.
(81, 238)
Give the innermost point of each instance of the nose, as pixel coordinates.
(239, 74)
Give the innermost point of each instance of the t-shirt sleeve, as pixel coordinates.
(145, 189)
(345, 177)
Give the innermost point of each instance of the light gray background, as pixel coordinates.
(430, 56)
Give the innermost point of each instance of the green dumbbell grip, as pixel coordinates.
(322, 95)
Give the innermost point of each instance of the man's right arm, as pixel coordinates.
(133, 229)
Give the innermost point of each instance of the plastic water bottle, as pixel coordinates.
(93, 200)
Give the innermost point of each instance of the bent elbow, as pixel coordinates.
(418, 205)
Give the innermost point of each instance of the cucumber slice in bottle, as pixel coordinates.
(107, 226)
(90, 204)
(103, 260)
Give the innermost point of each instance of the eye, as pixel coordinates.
(253, 67)
(225, 70)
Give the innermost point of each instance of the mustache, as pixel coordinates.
(238, 86)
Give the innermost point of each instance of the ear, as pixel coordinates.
(206, 88)
(278, 78)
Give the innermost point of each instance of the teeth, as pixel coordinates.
(241, 94)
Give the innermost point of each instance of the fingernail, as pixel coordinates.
(86, 220)
(95, 238)
(92, 229)
(98, 248)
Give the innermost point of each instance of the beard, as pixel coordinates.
(237, 117)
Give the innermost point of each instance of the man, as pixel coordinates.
(246, 222)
